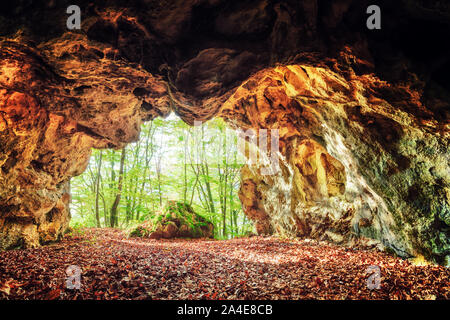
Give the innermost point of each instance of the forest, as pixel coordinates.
(122, 188)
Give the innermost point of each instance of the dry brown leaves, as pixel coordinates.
(114, 267)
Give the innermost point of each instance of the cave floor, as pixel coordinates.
(114, 267)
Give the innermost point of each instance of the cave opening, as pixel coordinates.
(173, 175)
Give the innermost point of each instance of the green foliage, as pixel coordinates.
(140, 231)
(170, 161)
(181, 215)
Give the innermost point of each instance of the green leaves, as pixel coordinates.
(171, 161)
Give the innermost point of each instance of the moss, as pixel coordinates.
(139, 231)
(19, 245)
(178, 213)
(390, 251)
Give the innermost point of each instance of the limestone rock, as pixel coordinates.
(50, 123)
(347, 164)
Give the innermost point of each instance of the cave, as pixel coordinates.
(362, 115)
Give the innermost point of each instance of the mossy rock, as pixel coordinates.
(175, 220)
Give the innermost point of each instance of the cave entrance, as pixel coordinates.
(175, 174)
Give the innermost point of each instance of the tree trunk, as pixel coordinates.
(148, 157)
(97, 191)
(114, 210)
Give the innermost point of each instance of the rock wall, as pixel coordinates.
(349, 161)
(362, 114)
(49, 123)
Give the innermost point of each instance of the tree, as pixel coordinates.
(172, 161)
(114, 218)
(97, 191)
